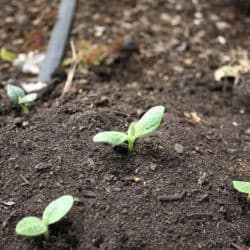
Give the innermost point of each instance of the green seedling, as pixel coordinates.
(33, 226)
(243, 187)
(18, 96)
(149, 122)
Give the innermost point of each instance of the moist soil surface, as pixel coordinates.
(175, 190)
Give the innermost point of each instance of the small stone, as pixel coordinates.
(189, 62)
(25, 124)
(176, 20)
(198, 15)
(159, 47)
(179, 7)
(137, 179)
(247, 131)
(18, 121)
(103, 101)
(124, 211)
(9, 20)
(99, 30)
(41, 166)
(152, 166)
(81, 128)
(89, 194)
(117, 189)
(165, 17)
(109, 177)
(178, 148)
(91, 180)
(242, 111)
(222, 40)
(183, 47)
(222, 25)
(231, 150)
(22, 19)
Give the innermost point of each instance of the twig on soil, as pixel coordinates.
(173, 197)
(237, 246)
(72, 70)
(24, 179)
(121, 113)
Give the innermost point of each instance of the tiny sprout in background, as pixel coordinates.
(17, 96)
(33, 226)
(243, 187)
(149, 122)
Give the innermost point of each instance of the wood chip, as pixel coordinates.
(8, 203)
(173, 197)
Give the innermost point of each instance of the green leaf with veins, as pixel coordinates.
(242, 186)
(149, 122)
(27, 98)
(14, 93)
(111, 137)
(31, 226)
(57, 209)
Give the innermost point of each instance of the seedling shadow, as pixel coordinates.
(119, 162)
(62, 236)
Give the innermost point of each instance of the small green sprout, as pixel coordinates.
(17, 96)
(243, 187)
(149, 122)
(33, 226)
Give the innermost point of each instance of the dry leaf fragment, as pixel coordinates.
(193, 117)
(8, 203)
(6, 55)
(137, 179)
(244, 66)
(227, 71)
(12, 158)
(234, 71)
(30, 62)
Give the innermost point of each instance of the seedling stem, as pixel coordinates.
(131, 142)
(24, 108)
(46, 235)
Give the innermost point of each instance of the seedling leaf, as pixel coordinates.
(111, 137)
(27, 98)
(242, 186)
(149, 121)
(31, 226)
(131, 129)
(14, 93)
(7, 55)
(145, 126)
(57, 209)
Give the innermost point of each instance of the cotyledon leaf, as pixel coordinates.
(111, 137)
(14, 93)
(242, 186)
(149, 121)
(57, 209)
(27, 98)
(31, 226)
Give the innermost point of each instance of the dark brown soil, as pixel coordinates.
(183, 200)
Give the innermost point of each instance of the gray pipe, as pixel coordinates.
(58, 40)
